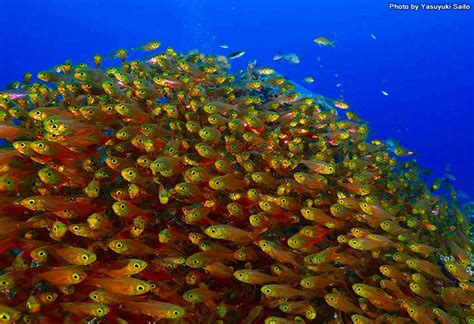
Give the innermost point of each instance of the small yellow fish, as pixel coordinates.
(278, 252)
(125, 267)
(254, 277)
(85, 308)
(340, 104)
(283, 291)
(322, 41)
(149, 46)
(341, 303)
(156, 309)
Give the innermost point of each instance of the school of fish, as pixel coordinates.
(171, 190)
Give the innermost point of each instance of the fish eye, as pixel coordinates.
(268, 290)
(358, 289)
(176, 313)
(140, 287)
(40, 145)
(5, 316)
(75, 228)
(76, 276)
(41, 253)
(240, 275)
(119, 245)
(31, 202)
(85, 257)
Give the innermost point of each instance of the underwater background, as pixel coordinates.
(422, 59)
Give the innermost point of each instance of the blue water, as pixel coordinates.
(422, 59)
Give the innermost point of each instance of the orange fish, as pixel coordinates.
(68, 275)
(341, 303)
(122, 285)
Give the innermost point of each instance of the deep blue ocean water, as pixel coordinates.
(422, 59)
